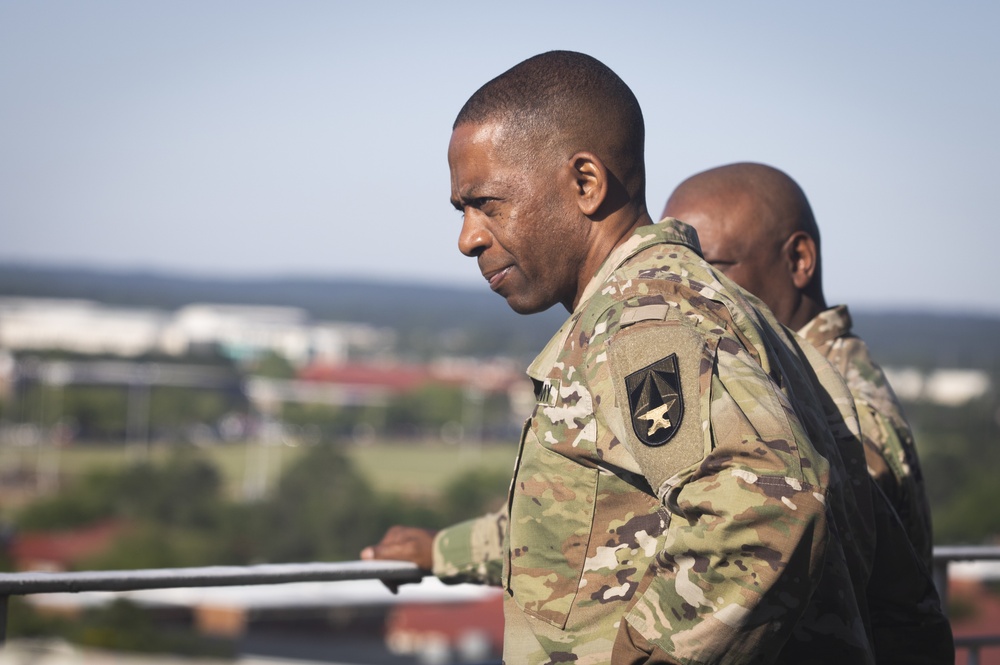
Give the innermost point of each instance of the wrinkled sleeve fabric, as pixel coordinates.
(899, 475)
(472, 551)
(748, 532)
(908, 623)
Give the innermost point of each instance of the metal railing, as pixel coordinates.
(944, 556)
(24, 584)
(396, 572)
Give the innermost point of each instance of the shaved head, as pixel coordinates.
(547, 170)
(562, 102)
(756, 226)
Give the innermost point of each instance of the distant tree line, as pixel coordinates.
(960, 454)
(107, 413)
(177, 513)
(430, 320)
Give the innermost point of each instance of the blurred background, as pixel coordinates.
(235, 327)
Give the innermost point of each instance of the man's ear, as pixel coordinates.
(802, 256)
(590, 182)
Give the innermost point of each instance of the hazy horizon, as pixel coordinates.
(421, 283)
(255, 139)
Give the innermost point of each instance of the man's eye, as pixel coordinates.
(483, 202)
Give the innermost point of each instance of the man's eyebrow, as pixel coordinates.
(465, 198)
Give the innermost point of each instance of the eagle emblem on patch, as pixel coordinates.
(655, 401)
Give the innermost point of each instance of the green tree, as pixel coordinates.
(271, 365)
(959, 450)
(332, 422)
(426, 407)
(91, 498)
(183, 492)
(172, 408)
(149, 545)
(473, 494)
(322, 509)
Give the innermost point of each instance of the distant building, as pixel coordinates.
(374, 382)
(467, 632)
(946, 387)
(245, 332)
(494, 376)
(954, 387)
(351, 621)
(242, 332)
(80, 326)
(52, 551)
(7, 367)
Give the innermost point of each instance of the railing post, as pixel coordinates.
(940, 573)
(4, 603)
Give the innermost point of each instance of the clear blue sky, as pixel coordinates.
(245, 138)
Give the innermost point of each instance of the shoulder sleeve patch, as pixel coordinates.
(656, 369)
(655, 401)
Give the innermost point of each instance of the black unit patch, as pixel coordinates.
(654, 398)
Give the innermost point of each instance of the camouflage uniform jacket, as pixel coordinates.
(678, 495)
(889, 448)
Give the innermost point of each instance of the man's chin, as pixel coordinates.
(526, 306)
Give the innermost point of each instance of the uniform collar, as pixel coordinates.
(827, 326)
(666, 231)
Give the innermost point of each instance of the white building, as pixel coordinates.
(239, 331)
(947, 387)
(81, 326)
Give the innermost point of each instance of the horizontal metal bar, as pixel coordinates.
(21, 584)
(967, 553)
(390, 571)
(976, 641)
(398, 572)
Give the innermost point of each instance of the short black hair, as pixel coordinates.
(565, 97)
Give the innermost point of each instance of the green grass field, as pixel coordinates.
(417, 469)
(423, 469)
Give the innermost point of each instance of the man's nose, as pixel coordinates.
(474, 238)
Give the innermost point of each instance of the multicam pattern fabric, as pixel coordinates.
(907, 623)
(889, 447)
(472, 551)
(724, 545)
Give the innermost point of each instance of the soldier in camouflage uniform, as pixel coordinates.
(683, 492)
(756, 225)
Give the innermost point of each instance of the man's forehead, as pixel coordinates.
(720, 231)
(475, 156)
(706, 215)
(471, 148)
(725, 212)
(481, 134)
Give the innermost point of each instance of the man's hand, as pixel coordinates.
(405, 543)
